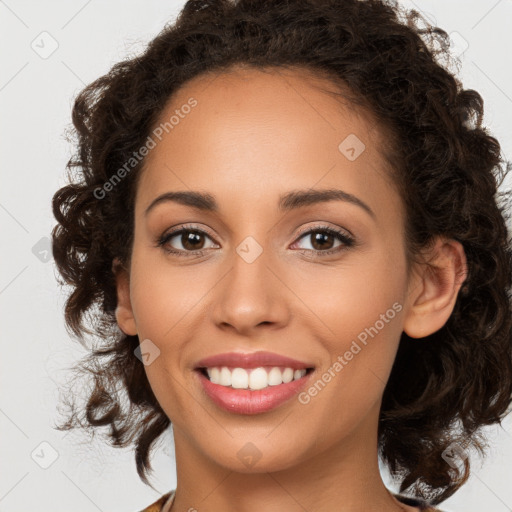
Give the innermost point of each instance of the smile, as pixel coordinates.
(251, 383)
(253, 378)
(243, 400)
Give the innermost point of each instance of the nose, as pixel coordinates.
(251, 296)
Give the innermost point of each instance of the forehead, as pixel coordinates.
(262, 133)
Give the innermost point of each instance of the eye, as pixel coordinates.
(323, 238)
(190, 239)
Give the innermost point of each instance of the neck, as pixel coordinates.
(346, 477)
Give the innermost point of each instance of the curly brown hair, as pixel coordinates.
(447, 167)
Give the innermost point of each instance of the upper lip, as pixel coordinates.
(251, 360)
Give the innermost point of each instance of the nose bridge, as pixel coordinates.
(249, 277)
(250, 293)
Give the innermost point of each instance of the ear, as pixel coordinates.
(435, 290)
(124, 313)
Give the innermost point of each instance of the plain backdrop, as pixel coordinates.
(50, 51)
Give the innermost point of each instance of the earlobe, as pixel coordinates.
(124, 313)
(436, 291)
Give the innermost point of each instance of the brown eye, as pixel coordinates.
(323, 241)
(183, 241)
(191, 240)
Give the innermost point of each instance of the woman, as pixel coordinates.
(284, 230)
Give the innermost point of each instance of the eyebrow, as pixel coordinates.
(290, 201)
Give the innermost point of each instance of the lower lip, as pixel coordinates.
(245, 401)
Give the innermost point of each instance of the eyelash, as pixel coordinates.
(346, 240)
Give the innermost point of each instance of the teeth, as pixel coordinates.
(255, 378)
(239, 378)
(225, 377)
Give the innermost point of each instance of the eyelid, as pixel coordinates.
(302, 231)
(172, 232)
(186, 227)
(350, 240)
(322, 226)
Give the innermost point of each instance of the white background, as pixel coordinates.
(36, 97)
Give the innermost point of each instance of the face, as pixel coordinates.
(320, 280)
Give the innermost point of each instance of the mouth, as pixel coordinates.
(251, 383)
(243, 399)
(253, 379)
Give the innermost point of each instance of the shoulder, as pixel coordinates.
(158, 505)
(416, 502)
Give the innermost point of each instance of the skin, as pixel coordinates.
(251, 137)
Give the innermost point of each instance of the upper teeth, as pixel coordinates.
(254, 378)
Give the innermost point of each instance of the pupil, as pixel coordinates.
(189, 239)
(319, 237)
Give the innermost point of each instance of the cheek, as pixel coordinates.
(350, 388)
(163, 294)
(358, 313)
(166, 299)
(346, 300)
